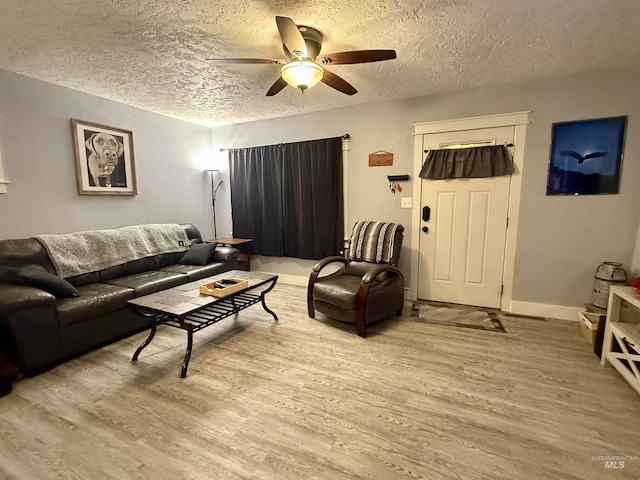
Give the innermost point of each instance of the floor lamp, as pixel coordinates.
(214, 190)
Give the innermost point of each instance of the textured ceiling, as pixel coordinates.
(151, 53)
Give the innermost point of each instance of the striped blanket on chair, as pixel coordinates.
(373, 241)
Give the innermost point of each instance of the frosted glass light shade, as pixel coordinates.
(302, 74)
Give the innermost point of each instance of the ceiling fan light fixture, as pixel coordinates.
(302, 74)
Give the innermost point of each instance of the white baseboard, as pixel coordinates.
(544, 310)
(517, 307)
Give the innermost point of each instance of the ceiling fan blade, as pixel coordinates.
(291, 37)
(221, 61)
(334, 81)
(276, 87)
(356, 56)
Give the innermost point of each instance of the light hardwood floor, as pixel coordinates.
(310, 399)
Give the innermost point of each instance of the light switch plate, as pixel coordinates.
(406, 202)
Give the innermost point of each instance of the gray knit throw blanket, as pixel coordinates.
(83, 252)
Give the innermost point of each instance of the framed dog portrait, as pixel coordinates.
(104, 159)
(586, 157)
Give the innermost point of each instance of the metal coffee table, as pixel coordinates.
(186, 308)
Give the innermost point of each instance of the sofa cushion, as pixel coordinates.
(95, 299)
(37, 276)
(165, 259)
(199, 254)
(339, 290)
(85, 279)
(196, 272)
(149, 282)
(129, 268)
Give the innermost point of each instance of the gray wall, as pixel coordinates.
(561, 240)
(635, 261)
(37, 153)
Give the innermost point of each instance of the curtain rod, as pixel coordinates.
(346, 136)
(508, 145)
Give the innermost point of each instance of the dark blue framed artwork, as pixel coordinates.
(586, 156)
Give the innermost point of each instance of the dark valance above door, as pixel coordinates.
(471, 162)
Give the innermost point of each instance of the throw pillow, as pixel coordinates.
(199, 254)
(37, 276)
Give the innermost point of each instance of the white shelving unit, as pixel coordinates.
(624, 335)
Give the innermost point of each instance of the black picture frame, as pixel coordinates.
(104, 159)
(586, 156)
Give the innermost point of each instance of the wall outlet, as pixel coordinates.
(406, 202)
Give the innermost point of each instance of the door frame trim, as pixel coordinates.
(518, 120)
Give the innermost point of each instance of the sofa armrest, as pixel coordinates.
(29, 322)
(379, 272)
(224, 254)
(14, 298)
(327, 261)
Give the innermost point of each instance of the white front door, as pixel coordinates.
(462, 244)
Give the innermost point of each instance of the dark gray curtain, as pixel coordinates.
(472, 162)
(288, 198)
(256, 197)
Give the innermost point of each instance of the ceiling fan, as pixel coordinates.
(304, 66)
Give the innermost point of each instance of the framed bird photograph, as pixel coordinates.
(586, 156)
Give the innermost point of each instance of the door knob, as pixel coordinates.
(425, 229)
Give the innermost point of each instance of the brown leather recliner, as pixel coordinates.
(368, 287)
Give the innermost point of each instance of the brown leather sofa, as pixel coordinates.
(38, 330)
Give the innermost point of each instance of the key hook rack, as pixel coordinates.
(398, 178)
(394, 182)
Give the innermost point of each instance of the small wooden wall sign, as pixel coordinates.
(382, 159)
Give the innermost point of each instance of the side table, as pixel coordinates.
(245, 245)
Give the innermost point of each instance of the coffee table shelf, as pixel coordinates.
(216, 312)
